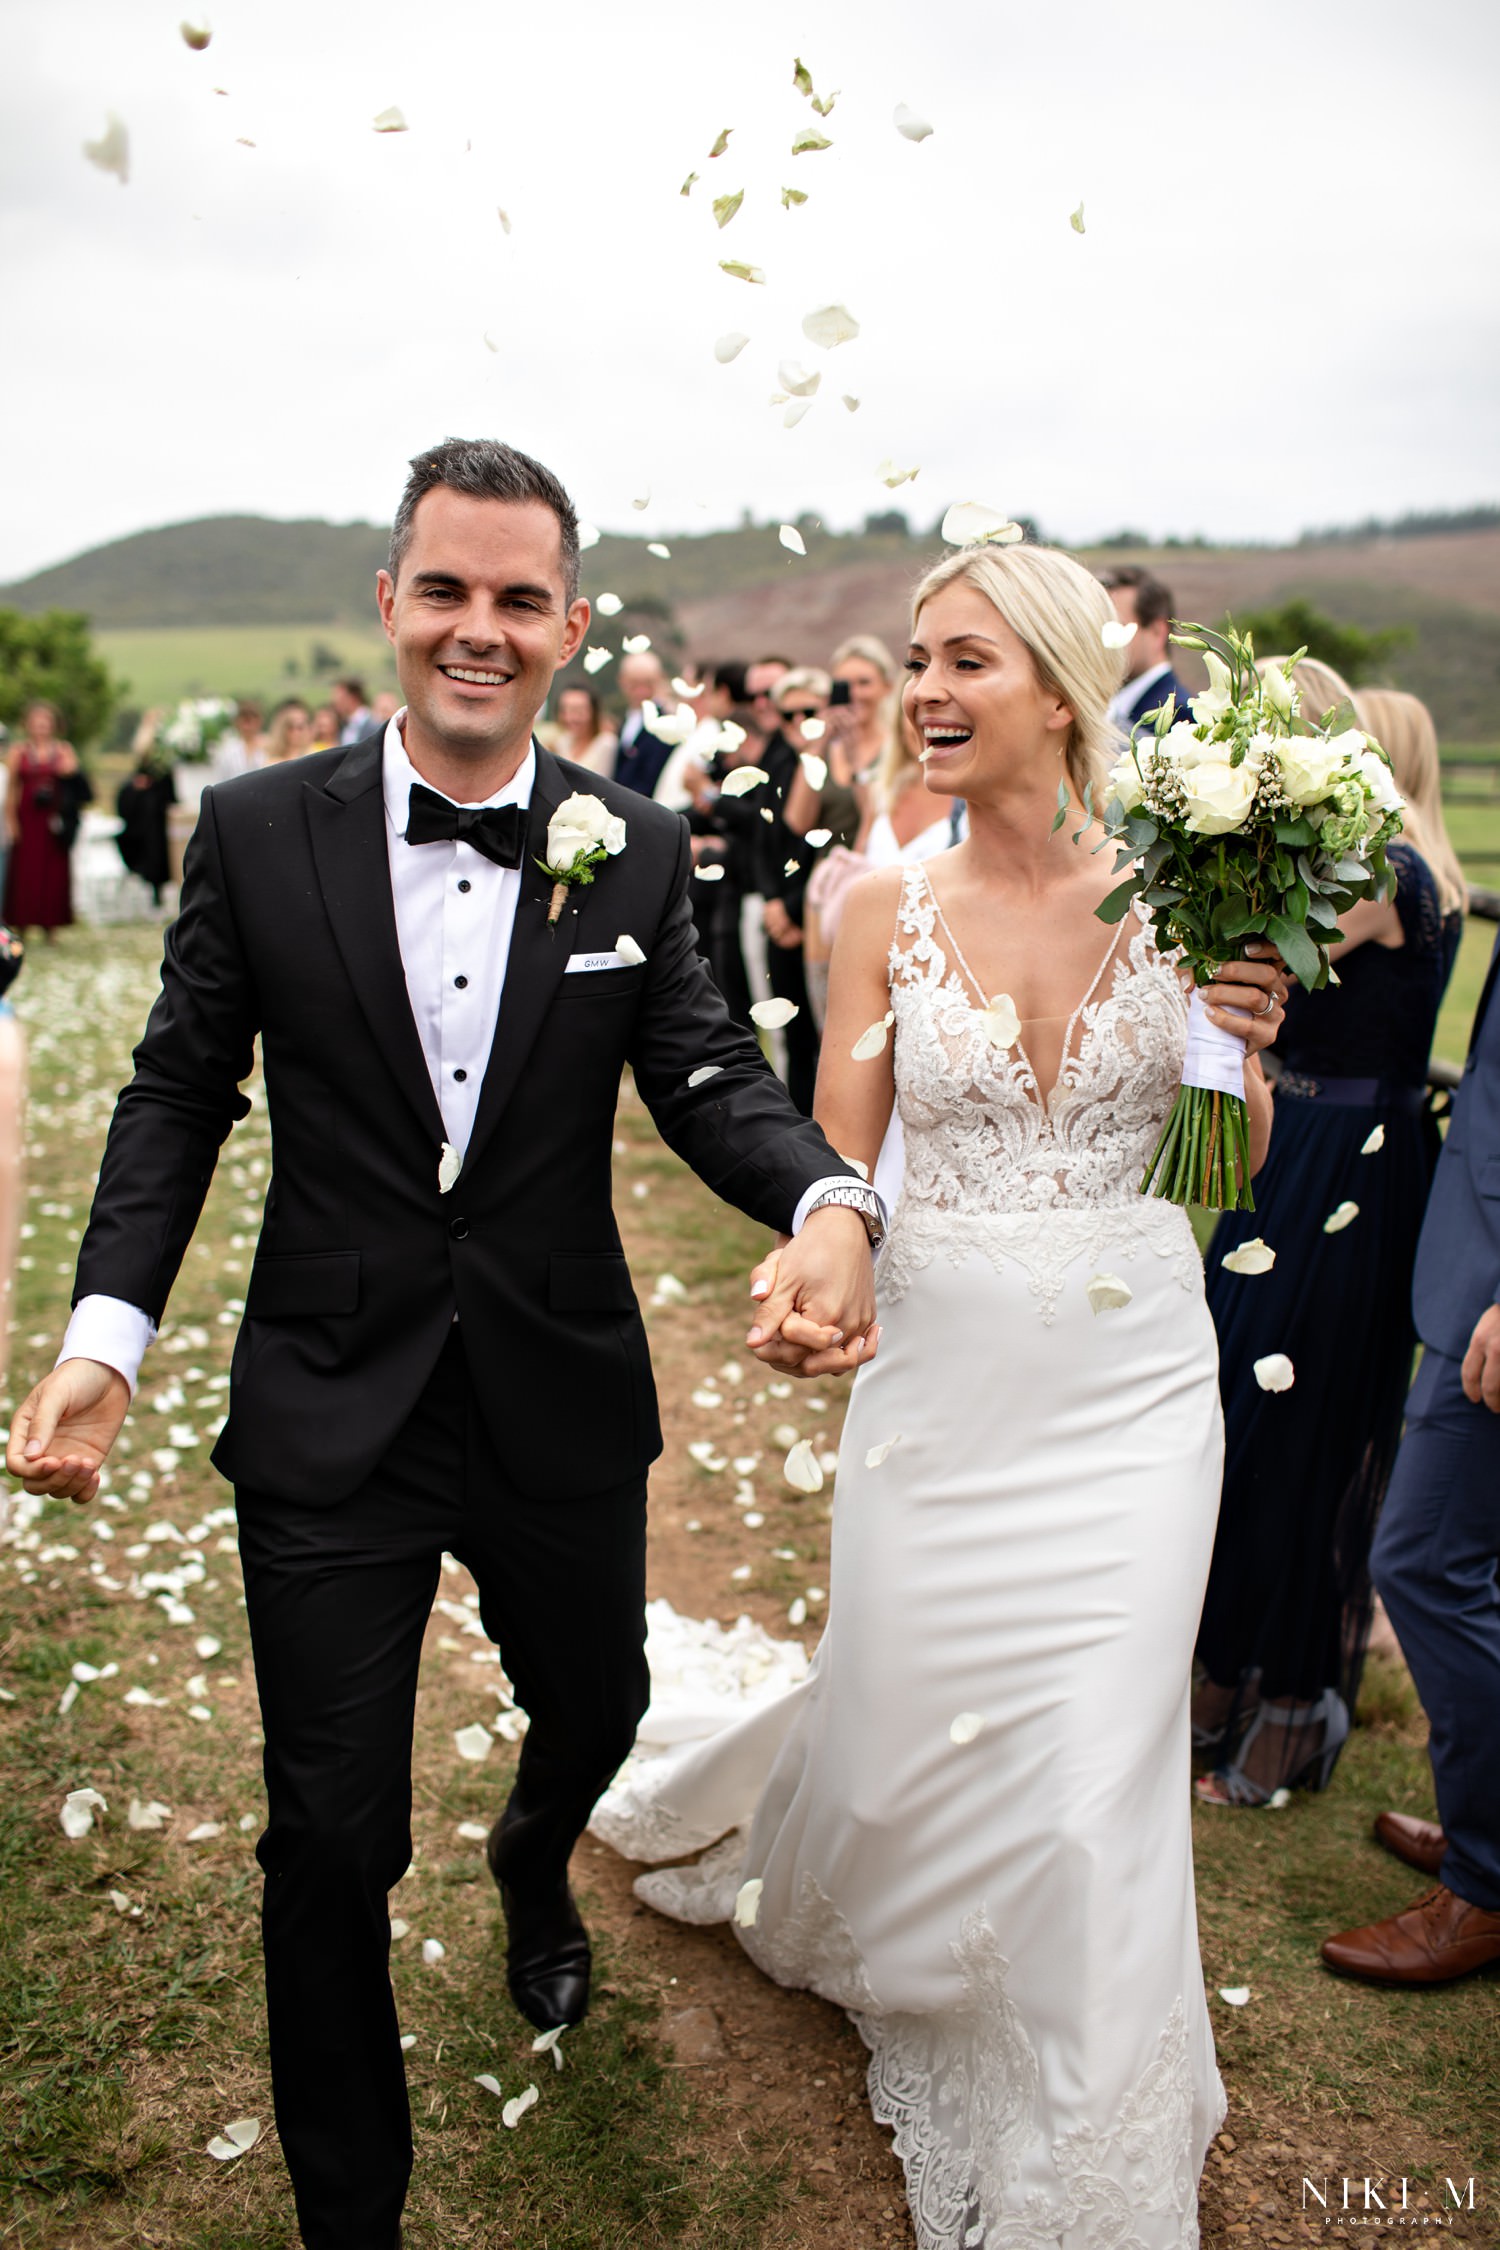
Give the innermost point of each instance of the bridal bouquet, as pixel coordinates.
(1244, 821)
(194, 727)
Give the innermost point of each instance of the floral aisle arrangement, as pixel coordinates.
(1244, 821)
(187, 737)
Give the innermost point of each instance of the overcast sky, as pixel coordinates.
(1283, 310)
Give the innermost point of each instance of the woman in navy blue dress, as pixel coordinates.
(1287, 1613)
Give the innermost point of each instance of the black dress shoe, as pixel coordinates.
(547, 1957)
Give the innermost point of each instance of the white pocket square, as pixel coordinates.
(581, 964)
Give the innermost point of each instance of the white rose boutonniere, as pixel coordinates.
(581, 835)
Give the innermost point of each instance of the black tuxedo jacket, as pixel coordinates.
(288, 932)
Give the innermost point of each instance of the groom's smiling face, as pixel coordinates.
(480, 620)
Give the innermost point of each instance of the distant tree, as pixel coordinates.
(1123, 539)
(322, 658)
(1352, 651)
(51, 658)
(891, 520)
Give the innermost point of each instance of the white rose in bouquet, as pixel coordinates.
(1278, 691)
(582, 824)
(1217, 796)
(1380, 781)
(1309, 766)
(1125, 780)
(1218, 695)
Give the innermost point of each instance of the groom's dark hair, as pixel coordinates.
(486, 470)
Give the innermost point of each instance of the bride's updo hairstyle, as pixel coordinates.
(1059, 611)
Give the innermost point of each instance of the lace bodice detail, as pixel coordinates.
(989, 1161)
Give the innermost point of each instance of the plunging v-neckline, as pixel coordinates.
(1043, 1100)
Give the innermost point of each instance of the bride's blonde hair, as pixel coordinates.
(1059, 610)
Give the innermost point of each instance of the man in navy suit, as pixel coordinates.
(1436, 1559)
(641, 754)
(1144, 602)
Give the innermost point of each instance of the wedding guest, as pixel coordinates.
(1437, 1555)
(1287, 1615)
(141, 805)
(325, 727)
(242, 747)
(832, 813)
(1143, 601)
(762, 676)
(12, 1134)
(640, 754)
(737, 943)
(291, 734)
(582, 732)
(352, 705)
(683, 783)
(384, 708)
(785, 859)
(38, 806)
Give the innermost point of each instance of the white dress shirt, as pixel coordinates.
(455, 911)
(1124, 702)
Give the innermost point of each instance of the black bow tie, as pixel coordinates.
(499, 831)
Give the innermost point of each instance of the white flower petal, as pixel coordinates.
(712, 873)
(120, 1901)
(433, 1951)
(150, 1815)
(801, 1468)
(880, 1453)
(504, 218)
(722, 142)
(195, 35)
(207, 1646)
(636, 644)
(235, 2139)
(795, 380)
(855, 1165)
(595, 659)
(472, 1832)
(474, 1742)
(730, 345)
(608, 605)
(909, 125)
(809, 141)
(588, 535)
(797, 1614)
(1254, 1256)
(771, 1015)
(851, 402)
(871, 1043)
(488, 2081)
(450, 1164)
(205, 1832)
(111, 152)
(699, 1078)
(644, 501)
(725, 206)
(1118, 634)
(741, 781)
(890, 474)
(1373, 1141)
(1075, 220)
(829, 326)
(408, 2041)
(1275, 1372)
(737, 270)
(813, 730)
(1106, 1292)
(814, 771)
(688, 184)
(391, 121)
(1000, 1022)
(515, 2110)
(546, 2042)
(399, 1929)
(747, 1902)
(1278, 1800)
(818, 837)
(792, 539)
(969, 522)
(1237, 1995)
(662, 553)
(965, 1727)
(78, 1810)
(791, 197)
(795, 413)
(1344, 1216)
(628, 950)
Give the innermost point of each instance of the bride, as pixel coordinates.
(969, 1825)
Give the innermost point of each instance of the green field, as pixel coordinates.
(163, 664)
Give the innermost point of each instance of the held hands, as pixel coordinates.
(62, 1433)
(1480, 1373)
(817, 1298)
(1248, 998)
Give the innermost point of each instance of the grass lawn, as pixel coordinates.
(161, 665)
(130, 2009)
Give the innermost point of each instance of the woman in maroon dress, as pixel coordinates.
(38, 884)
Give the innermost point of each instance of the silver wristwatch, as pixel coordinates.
(855, 1196)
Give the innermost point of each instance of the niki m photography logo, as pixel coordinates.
(1383, 2202)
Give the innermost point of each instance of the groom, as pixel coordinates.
(441, 1347)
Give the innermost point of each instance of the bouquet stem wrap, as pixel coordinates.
(1203, 1155)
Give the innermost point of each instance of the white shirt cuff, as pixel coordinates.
(820, 1187)
(116, 1334)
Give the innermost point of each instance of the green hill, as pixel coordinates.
(221, 570)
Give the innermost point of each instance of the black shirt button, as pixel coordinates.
(460, 1075)
(461, 983)
(459, 1229)
(464, 884)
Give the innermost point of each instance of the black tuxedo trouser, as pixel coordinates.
(787, 978)
(338, 1598)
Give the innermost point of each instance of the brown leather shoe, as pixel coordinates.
(1439, 1938)
(1421, 1843)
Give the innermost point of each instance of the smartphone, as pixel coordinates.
(837, 694)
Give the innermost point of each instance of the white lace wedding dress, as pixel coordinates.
(1005, 1905)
